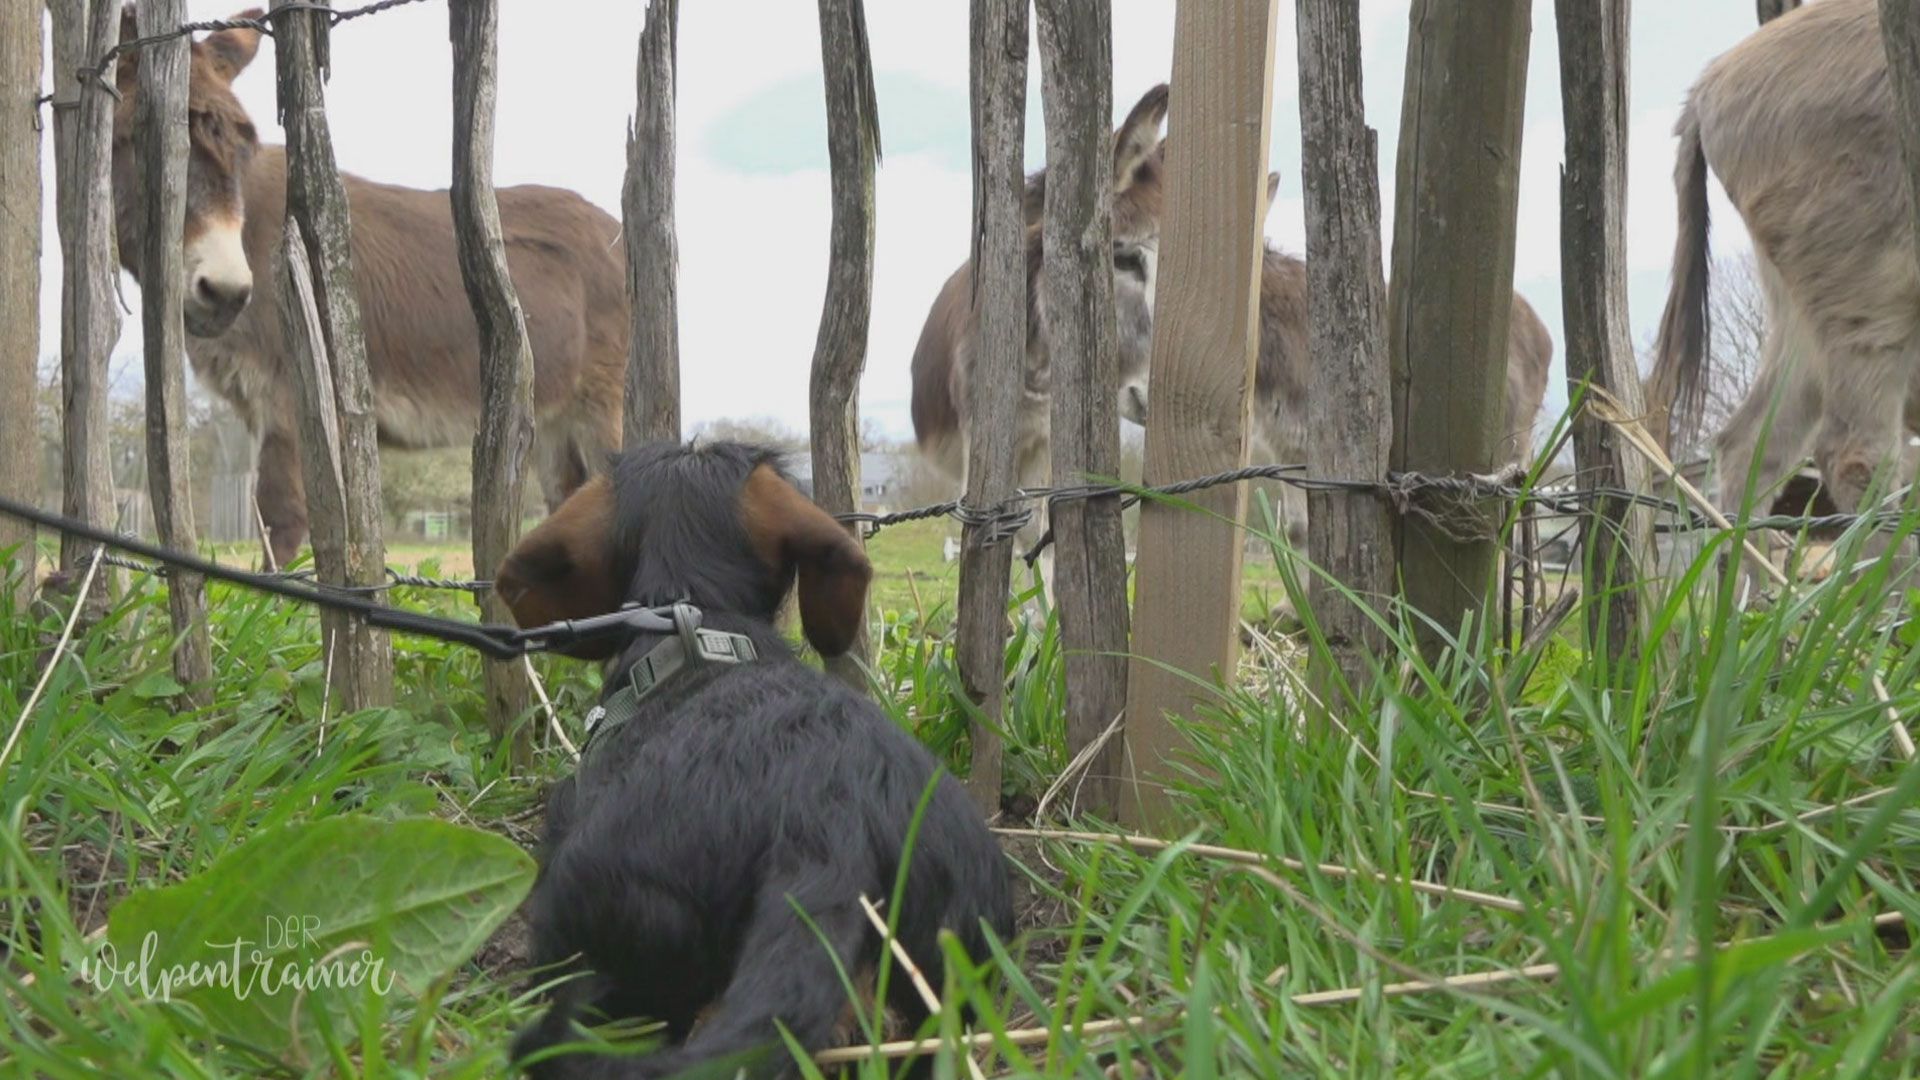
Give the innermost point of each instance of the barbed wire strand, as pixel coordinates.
(1437, 498)
(96, 74)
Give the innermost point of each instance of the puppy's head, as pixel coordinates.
(718, 524)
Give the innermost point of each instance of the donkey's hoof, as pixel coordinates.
(1282, 618)
(1817, 561)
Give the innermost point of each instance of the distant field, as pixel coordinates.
(911, 575)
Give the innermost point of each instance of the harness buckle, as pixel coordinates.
(686, 623)
(723, 648)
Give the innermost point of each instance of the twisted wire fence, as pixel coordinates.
(1464, 505)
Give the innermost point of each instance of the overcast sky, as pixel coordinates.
(752, 181)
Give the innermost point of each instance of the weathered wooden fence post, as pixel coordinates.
(653, 248)
(1452, 285)
(505, 438)
(1349, 533)
(348, 550)
(1770, 10)
(999, 305)
(1616, 536)
(322, 469)
(840, 351)
(160, 117)
(83, 31)
(1205, 336)
(20, 40)
(1090, 558)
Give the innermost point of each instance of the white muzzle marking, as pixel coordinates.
(219, 281)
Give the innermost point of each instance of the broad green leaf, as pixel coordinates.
(316, 916)
(156, 684)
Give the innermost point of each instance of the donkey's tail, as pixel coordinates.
(1682, 364)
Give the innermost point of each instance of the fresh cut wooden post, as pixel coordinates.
(1205, 338)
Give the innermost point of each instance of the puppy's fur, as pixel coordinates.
(675, 857)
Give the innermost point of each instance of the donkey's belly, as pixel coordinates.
(410, 423)
(418, 422)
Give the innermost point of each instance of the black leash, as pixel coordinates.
(495, 640)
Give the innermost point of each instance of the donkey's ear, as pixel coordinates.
(1138, 135)
(232, 50)
(788, 530)
(126, 66)
(565, 568)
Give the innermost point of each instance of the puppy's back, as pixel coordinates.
(781, 762)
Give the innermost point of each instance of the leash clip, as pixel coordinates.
(686, 623)
(631, 616)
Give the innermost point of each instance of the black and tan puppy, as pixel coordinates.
(733, 790)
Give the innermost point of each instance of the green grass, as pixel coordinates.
(911, 576)
(1698, 840)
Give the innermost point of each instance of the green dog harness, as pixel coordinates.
(691, 644)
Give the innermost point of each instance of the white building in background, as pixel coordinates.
(882, 474)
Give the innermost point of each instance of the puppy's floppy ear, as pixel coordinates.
(232, 50)
(787, 529)
(565, 568)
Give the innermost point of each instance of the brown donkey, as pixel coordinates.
(422, 345)
(942, 358)
(1283, 372)
(1281, 409)
(1798, 122)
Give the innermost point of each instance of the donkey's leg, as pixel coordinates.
(1867, 323)
(1853, 284)
(1861, 443)
(1766, 440)
(1767, 437)
(281, 490)
(1769, 433)
(1290, 518)
(1862, 447)
(553, 467)
(1033, 464)
(596, 436)
(557, 461)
